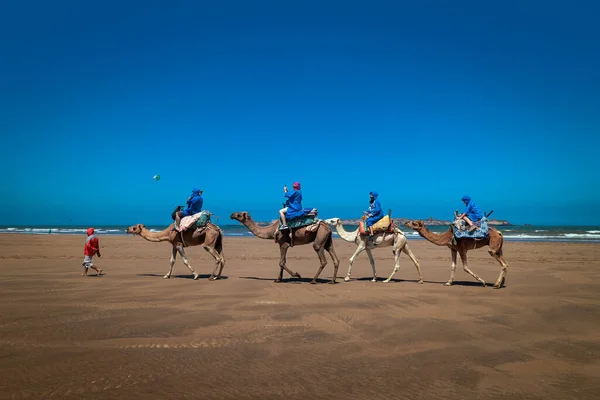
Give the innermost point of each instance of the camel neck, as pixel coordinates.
(262, 232)
(161, 236)
(344, 234)
(443, 239)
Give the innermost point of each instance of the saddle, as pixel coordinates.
(311, 216)
(384, 225)
(461, 230)
(197, 221)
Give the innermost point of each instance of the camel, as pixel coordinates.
(320, 236)
(211, 238)
(396, 239)
(462, 245)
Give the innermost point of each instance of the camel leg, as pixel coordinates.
(463, 258)
(359, 250)
(453, 252)
(410, 254)
(502, 277)
(171, 263)
(372, 261)
(322, 259)
(217, 257)
(396, 264)
(495, 244)
(222, 265)
(185, 261)
(283, 248)
(336, 261)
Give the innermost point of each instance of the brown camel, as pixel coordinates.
(211, 238)
(462, 245)
(321, 238)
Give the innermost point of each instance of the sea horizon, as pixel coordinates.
(521, 233)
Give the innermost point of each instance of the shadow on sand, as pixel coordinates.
(289, 280)
(190, 276)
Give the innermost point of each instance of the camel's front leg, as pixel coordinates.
(451, 280)
(463, 258)
(185, 261)
(410, 254)
(372, 261)
(283, 248)
(171, 263)
(359, 250)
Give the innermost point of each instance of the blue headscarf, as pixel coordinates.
(466, 198)
(196, 191)
(374, 194)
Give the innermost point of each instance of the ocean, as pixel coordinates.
(586, 234)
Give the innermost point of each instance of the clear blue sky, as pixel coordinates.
(421, 101)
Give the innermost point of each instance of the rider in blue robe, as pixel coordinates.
(374, 213)
(293, 208)
(472, 213)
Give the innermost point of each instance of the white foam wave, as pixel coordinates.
(582, 236)
(593, 231)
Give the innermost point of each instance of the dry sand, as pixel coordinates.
(132, 334)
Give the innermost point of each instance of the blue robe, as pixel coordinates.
(374, 213)
(294, 205)
(194, 205)
(473, 211)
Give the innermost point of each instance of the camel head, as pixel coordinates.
(415, 225)
(242, 216)
(333, 221)
(135, 229)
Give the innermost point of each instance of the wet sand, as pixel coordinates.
(132, 334)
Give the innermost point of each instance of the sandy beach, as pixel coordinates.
(132, 334)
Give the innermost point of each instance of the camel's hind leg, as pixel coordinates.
(410, 254)
(320, 249)
(336, 261)
(502, 277)
(495, 251)
(171, 263)
(218, 261)
(359, 250)
(396, 264)
(463, 257)
(185, 261)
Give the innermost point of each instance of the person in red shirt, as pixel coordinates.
(91, 248)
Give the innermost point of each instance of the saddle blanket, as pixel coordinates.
(385, 224)
(197, 220)
(299, 222)
(461, 229)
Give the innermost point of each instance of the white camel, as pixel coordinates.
(396, 239)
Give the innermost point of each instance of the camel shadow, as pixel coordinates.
(190, 276)
(288, 280)
(472, 283)
(395, 280)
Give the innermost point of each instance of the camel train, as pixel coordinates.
(196, 229)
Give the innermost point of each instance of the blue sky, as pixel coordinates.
(421, 102)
